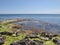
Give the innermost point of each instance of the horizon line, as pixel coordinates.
(26, 13)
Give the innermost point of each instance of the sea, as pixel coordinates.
(51, 18)
(53, 21)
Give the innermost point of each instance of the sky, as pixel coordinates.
(29, 6)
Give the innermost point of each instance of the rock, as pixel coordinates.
(33, 43)
(9, 33)
(15, 26)
(14, 43)
(39, 42)
(55, 35)
(26, 37)
(49, 35)
(14, 35)
(18, 43)
(6, 33)
(32, 36)
(3, 37)
(27, 42)
(18, 33)
(2, 40)
(0, 35)
(22, 43)
(44, 38)
(56, 41)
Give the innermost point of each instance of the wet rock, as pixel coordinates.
(14, 43)
(27, 42)
(55, 35)
(0, 35)
(26, 37)
(32, 36)
(9, 33)
(49, 35)
(18, 43)
(44, 38)
(33, 43)
(2, 40)
(35, 33)
(6, 33)
(15, 26)
(39, 42)
(22, 43)
(18, 33)
(56, 41)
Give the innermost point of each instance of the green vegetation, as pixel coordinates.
(3, 28)
(49, 43)
(10, 39)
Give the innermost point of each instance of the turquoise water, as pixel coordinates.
(51, 18)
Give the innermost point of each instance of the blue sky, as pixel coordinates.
(29, 6)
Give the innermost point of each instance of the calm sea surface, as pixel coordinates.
(51, 18)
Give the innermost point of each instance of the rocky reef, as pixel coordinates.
(12, 33)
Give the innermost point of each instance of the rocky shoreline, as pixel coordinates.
(13, 34)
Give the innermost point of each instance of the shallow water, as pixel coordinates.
(49, 22)
(51, 18)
